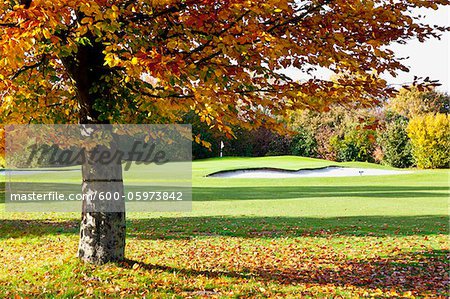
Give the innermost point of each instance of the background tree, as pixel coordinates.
(407, 118)
(102, 61)
(395, 143)
(430, 138)
(304, 144)
(411, 101)
(340, 134)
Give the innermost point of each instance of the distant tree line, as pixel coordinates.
(411, 129)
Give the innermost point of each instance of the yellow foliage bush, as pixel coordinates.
(430, 138)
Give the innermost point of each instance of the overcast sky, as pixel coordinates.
(430, 58)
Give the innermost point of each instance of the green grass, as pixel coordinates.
(375, 236)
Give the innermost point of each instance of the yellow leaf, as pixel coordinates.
(86, 20)
(134, 61)
(172, 44)
(46, 33)
(83, 30)
(206, 144)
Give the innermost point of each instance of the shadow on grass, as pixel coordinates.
(422, 273)
(273, 227)
(245, 227)
(35, 228)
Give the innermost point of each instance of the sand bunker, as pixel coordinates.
(263, 173)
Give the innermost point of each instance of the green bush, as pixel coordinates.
(395, 143)
(430, 139)
(355, 145)
(304, 144)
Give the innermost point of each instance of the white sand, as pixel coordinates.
(310, 173)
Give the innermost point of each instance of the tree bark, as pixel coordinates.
(102, 231)
(102, 237)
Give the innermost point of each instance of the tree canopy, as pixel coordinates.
(149, 61)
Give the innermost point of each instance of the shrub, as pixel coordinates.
(395, 143)
(256, 143)
(325, 148)
(342, 134)
(345, 150)
(430, 139)
(260, 141)
(378, 154)
(355, 145)
(279, 145)
(239, 146)
(304, 144)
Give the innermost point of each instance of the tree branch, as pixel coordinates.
(311, 9)
(142, 17)
(29, 67)
(217, 34)
(170, 95)
(10, 25)
(157, 96)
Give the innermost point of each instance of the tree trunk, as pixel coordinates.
(102, 237)
(102, 232)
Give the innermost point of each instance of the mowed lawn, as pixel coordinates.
(345, 237)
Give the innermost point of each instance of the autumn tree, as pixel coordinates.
(410, 102)
(430, 139)
(151, 61)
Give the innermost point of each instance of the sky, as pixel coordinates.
(428, 59)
